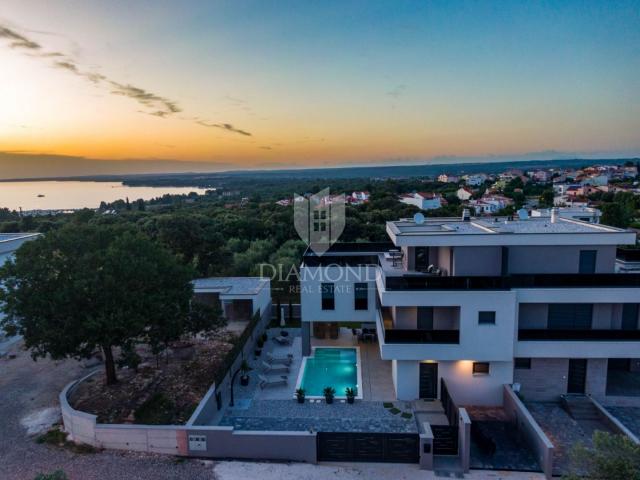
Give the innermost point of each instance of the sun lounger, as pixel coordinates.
(271, 358)
(272, 381)
(274, 368)
(282, 340)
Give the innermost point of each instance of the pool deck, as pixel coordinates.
(274, 408)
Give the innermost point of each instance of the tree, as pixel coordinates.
(84, 287)
(616, 215)
(546, 199)
(613, 457)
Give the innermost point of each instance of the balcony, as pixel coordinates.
(422, 336)
(508, 282)
(579, 335)
(413, 336)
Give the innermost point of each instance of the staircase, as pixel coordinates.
(580, 407)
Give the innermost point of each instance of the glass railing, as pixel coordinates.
(578, 335)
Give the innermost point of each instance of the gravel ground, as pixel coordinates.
(377, 471)
(28, 390)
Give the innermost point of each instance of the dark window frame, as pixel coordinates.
(361, 302)
(487, 321)
(328, 296)
(522, 363)
(478, 368)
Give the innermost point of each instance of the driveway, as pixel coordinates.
(28, 401)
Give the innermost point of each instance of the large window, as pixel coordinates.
(361, 296)
(522, 363)
(328, 297)
(587, 261)
(570, 316)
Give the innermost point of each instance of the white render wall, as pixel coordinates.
(477, 342)
(465, 387)
(343, 279)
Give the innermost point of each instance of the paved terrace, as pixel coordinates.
(274, 408)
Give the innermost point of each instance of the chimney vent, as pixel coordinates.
(466, 215)
(554, 214)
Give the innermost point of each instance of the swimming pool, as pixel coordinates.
(335, 367)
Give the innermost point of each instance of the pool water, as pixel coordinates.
(330, 367)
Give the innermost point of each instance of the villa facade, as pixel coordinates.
(483, 303)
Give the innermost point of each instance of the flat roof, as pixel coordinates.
(497, 225)
(506, 231)
(231, 285)
(7, 237)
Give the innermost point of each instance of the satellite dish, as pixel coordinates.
(418, 218)
(523, 214)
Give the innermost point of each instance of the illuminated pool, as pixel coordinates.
(330, 367)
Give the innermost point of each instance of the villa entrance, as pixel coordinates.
(428, 381)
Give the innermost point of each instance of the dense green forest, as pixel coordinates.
(233, 233)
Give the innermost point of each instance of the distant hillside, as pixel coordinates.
(405, 171)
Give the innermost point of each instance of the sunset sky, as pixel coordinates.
(276, 83)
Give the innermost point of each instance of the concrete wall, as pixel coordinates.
(529, 428)
(558, 258)
(465, 387)
(547, 378)
(464, 439)
(469, 389)
(225, 442)
(426, 443)
(477, 260)
(343, 279)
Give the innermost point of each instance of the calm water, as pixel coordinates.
(73, 194)
(330, 367)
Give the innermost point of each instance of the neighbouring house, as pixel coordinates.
(541, 176)
(596, 180)
(446, 178)
(475, 180)
(358, 198)
(285, 202)
(490, 204)
(474, 304)
(464, 193)
(424, 200)
(583, 214)
(238, 298)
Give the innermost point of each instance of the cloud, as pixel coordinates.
(161, 106)
(224, 126)
(157, 105)
(397, 91)
(17, 40)
(65, 65)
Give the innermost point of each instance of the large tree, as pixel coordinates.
(88, 287)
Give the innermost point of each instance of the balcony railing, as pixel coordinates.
(421, 336)
(507, 282)
(578, 335)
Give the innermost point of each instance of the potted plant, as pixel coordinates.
(244, 378)
(329, 393)
(300, 395)
(351, 394)
(259, 345)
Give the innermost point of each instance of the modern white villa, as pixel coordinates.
(483, 303)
